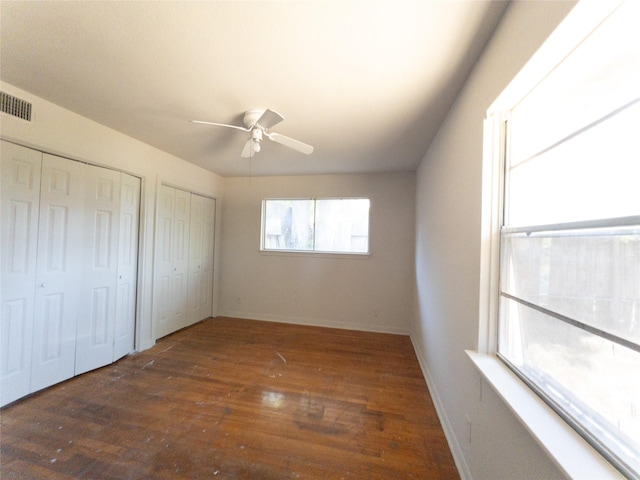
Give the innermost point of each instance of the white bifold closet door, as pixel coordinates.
(208, 244)
(172, 265)
(96, 328)
(181, 220)
(106, 320)
(61, 255)
(125, 325)
(184, 265)
(201, 246)
(196, 239)
(59, 275)
(164, 260)
(20, 175)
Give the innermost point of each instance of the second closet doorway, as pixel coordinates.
(184, 263)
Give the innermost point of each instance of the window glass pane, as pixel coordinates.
(592, 176)
(592, 276)
(288, 225)
(592, 379)
(334, 225)
(342, 225)
(601, 75)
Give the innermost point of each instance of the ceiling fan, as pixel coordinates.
(258, 122)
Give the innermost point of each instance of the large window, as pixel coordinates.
(329, 225)
(569, 288)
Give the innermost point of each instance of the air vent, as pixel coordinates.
(15, 106)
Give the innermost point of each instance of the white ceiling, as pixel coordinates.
(367, 83)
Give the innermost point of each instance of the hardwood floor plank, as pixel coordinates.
(236, 399)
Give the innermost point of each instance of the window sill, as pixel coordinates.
(311, 254)
(570, 452)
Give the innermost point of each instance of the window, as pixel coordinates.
(569, 268)
(329, 225)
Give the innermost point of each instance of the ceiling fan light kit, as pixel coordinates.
(258, 122)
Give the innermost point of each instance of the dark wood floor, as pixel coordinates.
(236, 399)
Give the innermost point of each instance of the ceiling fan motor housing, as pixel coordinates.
(251, 117)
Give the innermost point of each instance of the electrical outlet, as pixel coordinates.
(375, 312)
(239, 300)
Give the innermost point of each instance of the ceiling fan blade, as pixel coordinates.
(269, 118)
(246, 151)
(291, 143)
(222, 125)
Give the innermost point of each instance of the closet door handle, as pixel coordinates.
(43, 285)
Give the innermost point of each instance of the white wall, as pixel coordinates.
(61, 132)
(448, 213)
(334, 291)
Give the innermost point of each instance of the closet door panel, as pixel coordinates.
(20, 174)
(164, 261)
(208, 249)
(97, 308)
(59, 269)
(179, 283)
(172, 260)
(195, 258)
(127, 266)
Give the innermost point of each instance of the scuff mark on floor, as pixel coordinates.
(148, 364)
(281, 357)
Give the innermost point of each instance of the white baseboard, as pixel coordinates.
(316, 322)
(454, 446)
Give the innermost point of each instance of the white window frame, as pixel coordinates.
(574, 456)
(279, 251)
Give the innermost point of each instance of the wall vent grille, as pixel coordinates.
(15, 106)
